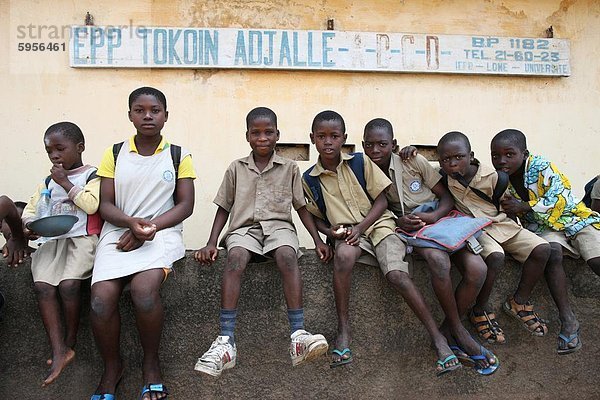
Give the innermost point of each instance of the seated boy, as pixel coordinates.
(15, 249)
(360, 226)
(258, 193)
(541, 196)
(472, 186)
(416, 182)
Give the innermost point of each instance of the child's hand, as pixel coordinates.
(324, 252)
(206, 255)
(427, 218)
(128, 242)
(354, 233)
(410, 223)
(29, 234)
(142, 229)
(512, 206)
(408, 152)
(15, 252)
(59, 174)
(339, 232)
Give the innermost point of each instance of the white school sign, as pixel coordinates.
(168, 47)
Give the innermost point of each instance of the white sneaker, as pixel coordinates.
(306, 347)
(219, 357)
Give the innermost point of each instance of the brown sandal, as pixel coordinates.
(487, 327)
(524, 313)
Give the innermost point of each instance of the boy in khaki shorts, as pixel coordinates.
(346, 194)
(257, 195)
(467, 178)
(541, 196)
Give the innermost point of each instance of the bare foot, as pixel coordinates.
(58, 364)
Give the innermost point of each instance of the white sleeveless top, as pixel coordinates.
(144, 187)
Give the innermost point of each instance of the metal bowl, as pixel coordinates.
(55, 225)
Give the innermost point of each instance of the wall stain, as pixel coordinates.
(515, 14)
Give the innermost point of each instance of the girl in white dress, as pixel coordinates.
(147, 190)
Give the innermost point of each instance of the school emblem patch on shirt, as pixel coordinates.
(168, 176)
(415, 186)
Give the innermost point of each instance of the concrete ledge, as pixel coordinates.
(393, 358)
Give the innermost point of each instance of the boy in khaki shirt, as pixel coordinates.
(257, 195)
(414, 183)
(465, 177)
(540, 195)
(360, 225)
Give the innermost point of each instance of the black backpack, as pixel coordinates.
(175, 155)
(587, 198)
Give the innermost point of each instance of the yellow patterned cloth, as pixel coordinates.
(551, 200)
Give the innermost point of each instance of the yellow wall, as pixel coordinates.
(207, 108)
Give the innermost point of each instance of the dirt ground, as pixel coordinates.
(393, 357)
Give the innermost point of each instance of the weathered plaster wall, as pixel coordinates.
(207, 107)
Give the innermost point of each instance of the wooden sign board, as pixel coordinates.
(163, 47)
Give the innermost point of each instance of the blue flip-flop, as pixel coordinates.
(105, 396)
(154, 388)
(462, 355)
(442, 363)
(483, 356)
(343, 360)
(471, 361)
(563, 343)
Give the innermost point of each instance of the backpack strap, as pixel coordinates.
(116, 149)
(356, 164)
(587, 198)
(176, 157)
(314, 184)
(47, 180)
(499, 189)
(92, 176)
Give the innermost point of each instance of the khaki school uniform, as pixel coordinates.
(347, 204)
(415, 178)
(260, 204)
(503, 234)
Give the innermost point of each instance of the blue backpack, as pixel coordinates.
(356, 164)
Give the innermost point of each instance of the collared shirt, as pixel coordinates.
(467, 202)
(346, 201)
(261, 197)
(107, 165)
(412, 181)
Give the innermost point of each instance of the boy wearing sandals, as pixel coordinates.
(465, 175)
(414, 183)
(362, 230)
(541, 196)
